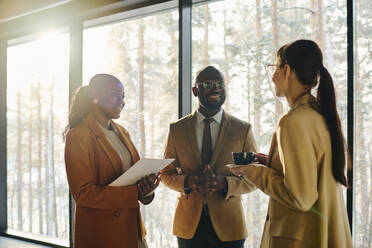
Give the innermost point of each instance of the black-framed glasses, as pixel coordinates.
(210, 84)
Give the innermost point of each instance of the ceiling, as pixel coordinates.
(25, 17)
(13, 9)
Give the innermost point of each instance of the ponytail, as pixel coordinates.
(306, 58)
(80, 107)
(327, 100)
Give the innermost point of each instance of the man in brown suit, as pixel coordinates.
(209, 211)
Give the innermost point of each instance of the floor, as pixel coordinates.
(14, 243)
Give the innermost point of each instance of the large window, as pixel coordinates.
(143, 54)
(37, 93)
(363, 123)
(240, 37)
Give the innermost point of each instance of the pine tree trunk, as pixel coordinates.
(141, 95)
(19, 163)
(226, 62)
(325, 42)
(141, 87)
(257, 104)
(12, 212)
(257, 88)
(249, 107)
(30, 151)
(321, 40)
(313, 21)
(362, 171)
(39, 162)
(52, 205)
(274, 19)
(369, 219)
(363, 180)
(47, 184)
(205, 40)
(152, 131)
(319, 29)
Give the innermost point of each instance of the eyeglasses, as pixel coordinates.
(210, 84)
(270, 68)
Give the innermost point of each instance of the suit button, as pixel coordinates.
(117, 214)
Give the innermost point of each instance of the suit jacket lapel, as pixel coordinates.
(191, 137)
(111, 154)
(225, 124)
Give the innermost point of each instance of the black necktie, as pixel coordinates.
(206, 151)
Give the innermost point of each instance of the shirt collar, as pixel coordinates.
(217, 117)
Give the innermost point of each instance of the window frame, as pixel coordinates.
(125, 10)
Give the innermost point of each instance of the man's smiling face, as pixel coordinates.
(211, 93)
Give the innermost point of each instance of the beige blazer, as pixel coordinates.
(105, 216)
(306, 206)
(226, 211)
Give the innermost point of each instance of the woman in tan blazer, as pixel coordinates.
(98, 151)
(304, 171)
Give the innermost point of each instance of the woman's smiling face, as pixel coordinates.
(111, 99)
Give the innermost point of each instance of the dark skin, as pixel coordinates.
(260, 158)
(108, 104)
(210, 101)
(146, 187)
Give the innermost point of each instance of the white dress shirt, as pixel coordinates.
(215, 128)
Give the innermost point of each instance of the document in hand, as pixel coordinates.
(142, 168)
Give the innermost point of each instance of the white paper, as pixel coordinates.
(142, 168)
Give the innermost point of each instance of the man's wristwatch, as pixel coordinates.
(186, 188)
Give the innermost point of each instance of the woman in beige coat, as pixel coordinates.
(304, 171)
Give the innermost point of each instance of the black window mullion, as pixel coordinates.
(3, 135)
(185, 69)
(350, 104)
